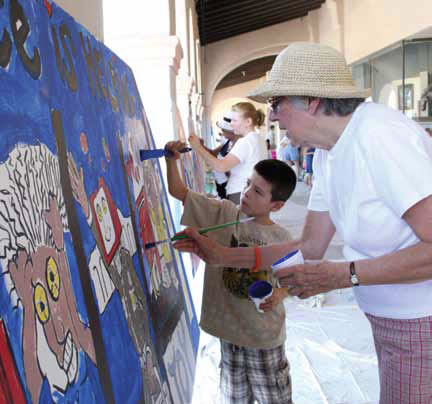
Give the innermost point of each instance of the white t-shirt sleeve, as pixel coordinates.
(399, 158)
(317, 199)
(242, 149)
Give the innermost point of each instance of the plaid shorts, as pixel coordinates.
(404, 350)
(249, 374)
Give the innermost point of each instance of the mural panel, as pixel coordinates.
(86, 314)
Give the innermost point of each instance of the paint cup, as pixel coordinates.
(260, 291)
(293, 258)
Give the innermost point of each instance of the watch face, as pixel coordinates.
(354, 280)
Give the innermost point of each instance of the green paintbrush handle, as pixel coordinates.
(206, 230)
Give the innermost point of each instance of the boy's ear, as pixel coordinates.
(277, 205)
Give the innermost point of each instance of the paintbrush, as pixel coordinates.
(200, 231)
(157, 153)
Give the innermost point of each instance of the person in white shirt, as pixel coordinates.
(249, 149)
(228, 139)
(271, 136)
(372, 185)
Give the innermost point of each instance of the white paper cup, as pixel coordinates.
(260, 291)
(293, 258)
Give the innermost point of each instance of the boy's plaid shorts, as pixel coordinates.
(249, 374)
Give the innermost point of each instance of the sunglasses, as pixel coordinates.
(274, 103)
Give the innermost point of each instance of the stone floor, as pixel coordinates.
(329, 347)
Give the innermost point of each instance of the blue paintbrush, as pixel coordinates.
(157, 153)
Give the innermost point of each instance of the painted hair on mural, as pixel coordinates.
(30, 180)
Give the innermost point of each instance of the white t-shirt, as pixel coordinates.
(249, 150)
(220, 177)
(379, 168)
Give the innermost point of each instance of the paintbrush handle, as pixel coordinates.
(206, 230)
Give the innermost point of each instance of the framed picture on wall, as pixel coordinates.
(409, 96)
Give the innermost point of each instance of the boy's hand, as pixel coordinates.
(278, 295)
(206, 248)
(195, 141)
(174, 147)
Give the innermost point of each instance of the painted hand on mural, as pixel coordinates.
(175, 146)
(21, 274)
(54, 222)
(78, 188)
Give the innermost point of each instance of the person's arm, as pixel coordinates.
(408, 265)
(221, 165)
(317, 233)
(214, 152)
(176, 187)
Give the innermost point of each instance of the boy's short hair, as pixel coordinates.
(280, 176)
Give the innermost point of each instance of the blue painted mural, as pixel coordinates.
(86, 314)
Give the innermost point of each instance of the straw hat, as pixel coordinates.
(225, 122)
(309, 69)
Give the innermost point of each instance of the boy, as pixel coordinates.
(253, 361)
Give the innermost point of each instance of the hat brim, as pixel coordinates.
(224, 126)
(270, 89)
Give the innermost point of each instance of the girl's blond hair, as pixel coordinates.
(249, 111)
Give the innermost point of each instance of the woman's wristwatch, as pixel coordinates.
(353, 276)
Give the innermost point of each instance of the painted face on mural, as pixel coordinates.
(104, 219)
(57, 346)
(56, 336)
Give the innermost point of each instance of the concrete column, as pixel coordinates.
(185, 88)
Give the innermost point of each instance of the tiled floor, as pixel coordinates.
(330, 348)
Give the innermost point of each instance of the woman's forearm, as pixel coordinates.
(411, 264)
(211, 160)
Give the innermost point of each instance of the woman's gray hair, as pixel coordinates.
(329, 106)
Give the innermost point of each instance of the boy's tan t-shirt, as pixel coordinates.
(226, 311)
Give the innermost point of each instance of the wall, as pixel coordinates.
(338, 23)
(388, 21)
(87, 13)
(224, 56)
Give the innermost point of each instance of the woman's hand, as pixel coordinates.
(194, 141)
(312, 278)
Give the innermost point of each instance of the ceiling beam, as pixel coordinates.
(258, 67)
(233, 82)
(227, 6)
(216, 35)
(257, 13)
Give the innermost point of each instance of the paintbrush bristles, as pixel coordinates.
(155, 243)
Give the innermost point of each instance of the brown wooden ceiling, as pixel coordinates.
(221, 19)
(249, 71)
